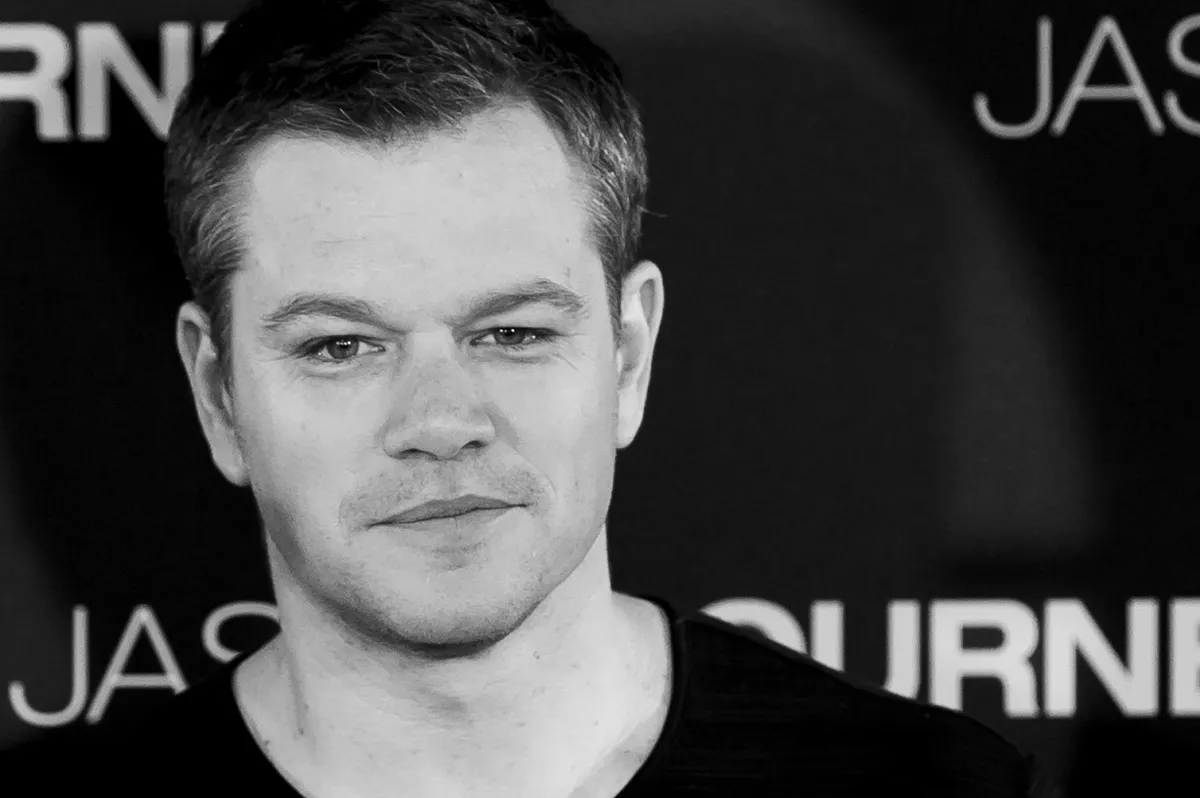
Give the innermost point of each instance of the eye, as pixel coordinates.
(518, 338)
(341, 349)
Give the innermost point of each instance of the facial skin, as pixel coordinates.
(424, 402)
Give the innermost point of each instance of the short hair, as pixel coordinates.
(375, 72)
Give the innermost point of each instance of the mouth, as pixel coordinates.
(448, 508)
(451, 522)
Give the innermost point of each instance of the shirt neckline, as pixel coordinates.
(267, 771)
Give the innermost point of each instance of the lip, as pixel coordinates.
(448, 508)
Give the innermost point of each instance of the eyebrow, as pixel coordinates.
(541, 291)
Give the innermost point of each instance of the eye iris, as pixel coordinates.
(340, 346)
(509, 333)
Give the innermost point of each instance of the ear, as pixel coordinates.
(210, 390)
(641, 315)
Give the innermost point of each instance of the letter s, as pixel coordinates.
(1187, 67)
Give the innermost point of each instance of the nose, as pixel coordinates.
(438, 411)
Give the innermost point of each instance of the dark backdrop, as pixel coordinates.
(924, 401)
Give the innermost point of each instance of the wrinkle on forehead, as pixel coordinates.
(486, 195)
(488, 152)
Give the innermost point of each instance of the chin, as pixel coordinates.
(444, 621)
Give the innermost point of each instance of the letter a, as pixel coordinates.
(1079, 89)
(115, 676)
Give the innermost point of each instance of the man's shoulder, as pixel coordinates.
(61, 762)
(740, 678)
(182, 747)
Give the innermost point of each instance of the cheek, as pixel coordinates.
(564, 427)
(296, 441)
(562, 403)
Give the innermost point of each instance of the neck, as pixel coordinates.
(568, 688)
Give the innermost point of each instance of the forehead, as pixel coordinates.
(494, 200)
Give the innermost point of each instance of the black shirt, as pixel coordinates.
(747, 717)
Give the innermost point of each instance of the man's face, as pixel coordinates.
(344, 419)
